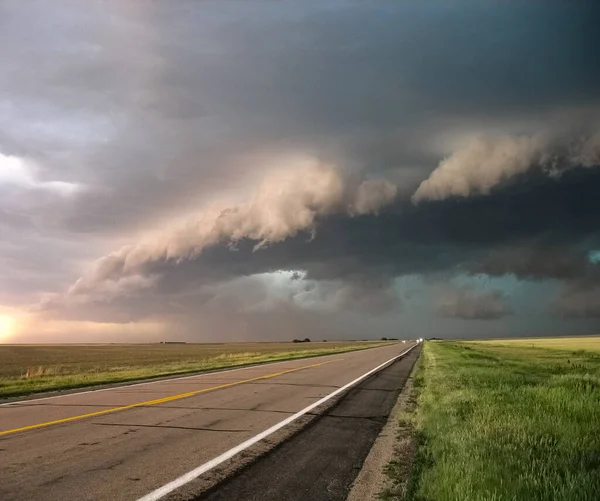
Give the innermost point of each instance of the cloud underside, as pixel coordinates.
(301, 245)
(472, 305)
(286, 165)
(577, 301)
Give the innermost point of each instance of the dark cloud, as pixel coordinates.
(578, 301)
(473, 305)
(158, 108)
(540, 228)
(140, 123)
(349, 264)
(536, 261)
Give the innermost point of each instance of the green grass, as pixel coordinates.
(27, 369)
(508, 421)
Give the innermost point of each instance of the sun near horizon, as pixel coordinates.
(7, 327)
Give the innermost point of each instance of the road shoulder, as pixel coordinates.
(394, 449)
(321, 462)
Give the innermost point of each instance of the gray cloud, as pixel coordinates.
(577, 301)
(169, 121)
(349, 262)
(167, 116)
(286, 203)
(537, 261)
(279, 305)
(473, 305)
(360, 296)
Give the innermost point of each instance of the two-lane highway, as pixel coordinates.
(125, 442)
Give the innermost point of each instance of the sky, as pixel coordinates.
(233, 171)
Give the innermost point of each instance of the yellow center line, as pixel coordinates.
(159, 400)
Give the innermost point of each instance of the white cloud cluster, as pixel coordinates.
(17, 173)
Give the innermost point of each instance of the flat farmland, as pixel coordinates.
(27, 369)
(582, 343)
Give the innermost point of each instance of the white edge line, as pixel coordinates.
(196, 472)
(166, 378)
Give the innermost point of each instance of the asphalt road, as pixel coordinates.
(321, 462)
(123, 443)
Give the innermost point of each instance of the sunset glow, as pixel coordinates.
(7, 327)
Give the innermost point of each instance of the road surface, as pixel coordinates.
(124, 443)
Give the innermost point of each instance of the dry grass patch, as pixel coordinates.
(26, 369)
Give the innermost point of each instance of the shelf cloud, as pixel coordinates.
(210, 173)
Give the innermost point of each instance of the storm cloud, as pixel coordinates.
(220, 170)
(486, 162)
(286, 203)
(576, 301)
(469, 305)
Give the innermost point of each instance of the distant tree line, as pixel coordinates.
(305, 340)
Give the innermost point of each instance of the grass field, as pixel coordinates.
(26, 369)
(502, 420)
(587, 343)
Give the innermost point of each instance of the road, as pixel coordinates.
(124, 443)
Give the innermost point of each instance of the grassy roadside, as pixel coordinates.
(26, 370)
(507, 422)
(401, 468)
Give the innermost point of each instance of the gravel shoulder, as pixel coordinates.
(394, 449)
